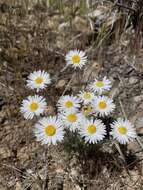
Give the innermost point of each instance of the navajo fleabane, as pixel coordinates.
(103, 105)
(49, 130)
(71, 120)
(68, 103)
(38, 80)
(93, 131)
(99, 86)
(86, 96)
(76, 58)
(123, 131)
(33, 105)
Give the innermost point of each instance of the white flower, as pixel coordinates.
(93, 131)
(38, 80)
(103, 105)
(76, 58)
(33, 105)
(71, 119)
(99, 86)
(49, 130)
(123, 131)
(68, 103)
(86, 96)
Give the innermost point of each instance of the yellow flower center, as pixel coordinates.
(122, 130)
(102, 105)
(34, 106)
(38, 80)
(99, 83)
(87, 95)
(69, 104)
(91, 129)
(72, 118)
(86, 109)
(76, 59)
(50, 130)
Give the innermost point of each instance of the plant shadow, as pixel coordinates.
(94, 158)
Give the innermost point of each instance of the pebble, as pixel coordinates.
(64, 27)
(133, 80)
(139, 125)
(61, 84)
(5, 152)
(18, 186)
(138, 98)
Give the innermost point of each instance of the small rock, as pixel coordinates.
(133, 80)
(18, 186)
(22, 154)
(61, 84)
(5, 152)
(80, 24)
(2, 102)
(96, 13)
(133, 146)
(51, 24)
(140, 131)
(138, 98)
(139, 122)
(96, 66)
(64, 27)
(139, 125)
(2, 117)
(74, 173)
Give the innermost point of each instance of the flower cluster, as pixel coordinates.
(83, 113)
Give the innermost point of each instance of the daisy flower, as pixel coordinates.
(103, 105)
(49, 130)
(93, 130)
(33, 105)
(72, 120)
(87, 109)
(76, 58)
(86, 96)
(67, 103)
(38, 80)
(123, 131)
(99, 86)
